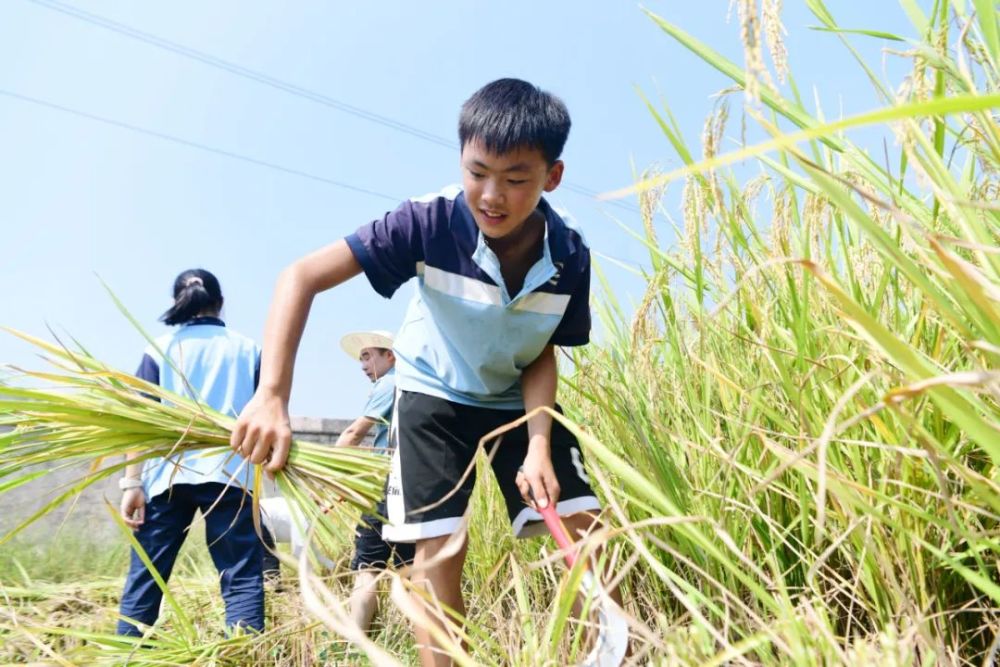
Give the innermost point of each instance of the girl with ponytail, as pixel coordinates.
(161, 496)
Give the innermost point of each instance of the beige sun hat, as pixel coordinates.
(356, 341)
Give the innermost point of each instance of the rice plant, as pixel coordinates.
(815, 363)
(88, 412)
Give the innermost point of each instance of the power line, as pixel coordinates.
(195, 144)
(278, 84)
(200, 146)
(239, 70)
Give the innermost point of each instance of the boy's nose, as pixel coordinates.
(492, 194)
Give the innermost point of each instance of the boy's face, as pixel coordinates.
(503, 190)
(376, 362)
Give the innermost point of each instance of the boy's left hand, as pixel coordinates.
(537, 476)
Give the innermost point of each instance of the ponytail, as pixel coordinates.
(196, 292)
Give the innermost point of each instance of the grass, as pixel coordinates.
(65, 593)
(816, 362)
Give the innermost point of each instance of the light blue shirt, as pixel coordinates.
(465, 337)
(222, 368)
(379, 408)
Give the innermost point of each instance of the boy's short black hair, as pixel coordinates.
(508, 114)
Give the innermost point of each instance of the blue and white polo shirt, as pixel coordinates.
(222, 367)
(465, 338)
(378, 408)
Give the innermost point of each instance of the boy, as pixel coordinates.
(372, 553)
(502, 279)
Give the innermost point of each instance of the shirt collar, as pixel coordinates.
(558, 244)
(215, 321)
(540, 272)
(556, 233)
(388, 373)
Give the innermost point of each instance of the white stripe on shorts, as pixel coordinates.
(395, 508)
(563, 507)
(396, 529)
(411, 532)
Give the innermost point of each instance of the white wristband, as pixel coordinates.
(126, 483)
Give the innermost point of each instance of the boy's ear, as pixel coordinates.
(554, 177)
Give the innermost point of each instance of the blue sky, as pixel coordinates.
(79, 196)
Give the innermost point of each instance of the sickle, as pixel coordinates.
(612, 632)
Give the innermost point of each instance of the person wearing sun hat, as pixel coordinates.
(374, 350)
(371, 552)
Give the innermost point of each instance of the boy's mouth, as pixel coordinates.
(494, 217)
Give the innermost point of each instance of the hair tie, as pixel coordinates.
(194, 280)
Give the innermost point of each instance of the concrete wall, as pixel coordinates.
(88, 518)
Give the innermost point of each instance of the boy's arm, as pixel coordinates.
(263, 427)
(538, 384)
(355, 433)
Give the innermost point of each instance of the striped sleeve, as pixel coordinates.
(574, 328)
(389, 248)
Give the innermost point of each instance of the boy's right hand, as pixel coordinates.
(263, 431)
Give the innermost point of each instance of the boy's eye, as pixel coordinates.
(476, 175)
(513, 181)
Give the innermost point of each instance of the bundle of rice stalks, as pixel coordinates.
(83, 411)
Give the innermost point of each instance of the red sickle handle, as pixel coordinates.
(551, 518)
(555, 526)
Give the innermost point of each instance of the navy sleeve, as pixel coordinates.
(256, 371)
(149, 371)
(574, 328)
(389, 248)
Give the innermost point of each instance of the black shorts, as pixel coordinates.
(436, 441)
(371, 552)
